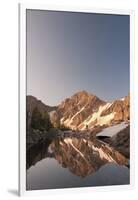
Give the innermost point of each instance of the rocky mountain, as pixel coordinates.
(84, 110)
(121, 141)
(76, 109)
(32, 102)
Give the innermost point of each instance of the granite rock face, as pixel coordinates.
(120, 108)
(74, 110)
(84, 110)
(121, 142)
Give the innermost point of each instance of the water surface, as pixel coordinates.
(74, 162)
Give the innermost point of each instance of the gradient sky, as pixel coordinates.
(69, 52)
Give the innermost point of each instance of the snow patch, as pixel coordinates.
(68, 122)
(122, 99)
(78, 112)
(103, 155)
(97, 116)
(69, 141)
(112, 130)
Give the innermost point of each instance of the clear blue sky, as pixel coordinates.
(69, 52)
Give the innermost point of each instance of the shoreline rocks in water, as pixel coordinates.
(34, 136)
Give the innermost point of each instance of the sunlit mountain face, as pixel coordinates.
(85, 109)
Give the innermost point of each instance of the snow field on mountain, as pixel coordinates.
(112, 130)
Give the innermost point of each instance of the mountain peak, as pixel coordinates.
(78, 107)
(83, 93)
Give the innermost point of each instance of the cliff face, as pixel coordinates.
(120, 108)
(78, 108)
(83, 110)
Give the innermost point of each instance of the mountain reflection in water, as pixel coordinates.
(73, 162)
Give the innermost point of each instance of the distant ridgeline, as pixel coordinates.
(79, 112)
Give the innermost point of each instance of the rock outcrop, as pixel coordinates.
(121, 142)
(120, 108)
(73, 111)
(84, 110)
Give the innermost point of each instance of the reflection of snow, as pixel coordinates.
(106, 156)
(99, 151)
(102, 154)
(69, 141)
(112, 130)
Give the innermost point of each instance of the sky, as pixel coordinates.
(69, 52)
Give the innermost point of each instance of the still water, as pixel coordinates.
(73, 162)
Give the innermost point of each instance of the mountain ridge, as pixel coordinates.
(85, 110)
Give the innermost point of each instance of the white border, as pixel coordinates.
(22, 98)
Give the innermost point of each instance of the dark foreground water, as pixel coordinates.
(73, 162)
